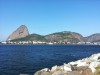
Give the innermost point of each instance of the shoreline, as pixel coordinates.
(54, 44)
(85, 66)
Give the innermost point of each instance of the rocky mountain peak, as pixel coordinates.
(21, 32)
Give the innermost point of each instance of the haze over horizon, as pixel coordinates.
(49, 16)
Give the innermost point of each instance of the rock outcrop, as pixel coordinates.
(86, 66)
(21, 32)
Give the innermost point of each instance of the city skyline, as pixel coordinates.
(49, 16)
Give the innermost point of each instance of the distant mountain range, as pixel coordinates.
(22, 34)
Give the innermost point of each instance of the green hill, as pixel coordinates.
(22, 34)
(54, 37)
(65, 36)
(31, 37)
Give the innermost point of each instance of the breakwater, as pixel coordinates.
(85, 66)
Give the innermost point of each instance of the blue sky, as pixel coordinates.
(48, 16)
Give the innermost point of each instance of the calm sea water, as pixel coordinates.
(21, 59)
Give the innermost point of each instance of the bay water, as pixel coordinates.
(27, 59)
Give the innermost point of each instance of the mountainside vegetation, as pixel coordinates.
(64, 36)
(31, 37)
(61, 37)
(22, 34)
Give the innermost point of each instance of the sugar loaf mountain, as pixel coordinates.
(22, 34)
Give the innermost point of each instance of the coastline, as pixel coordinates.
(85, 66)
(52, 44)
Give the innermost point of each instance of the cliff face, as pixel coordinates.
(21, 32)
(93, 38)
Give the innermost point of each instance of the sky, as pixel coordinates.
(49, 16)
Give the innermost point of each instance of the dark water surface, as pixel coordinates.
(17, 59)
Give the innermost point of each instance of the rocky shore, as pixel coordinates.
(86, 66)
